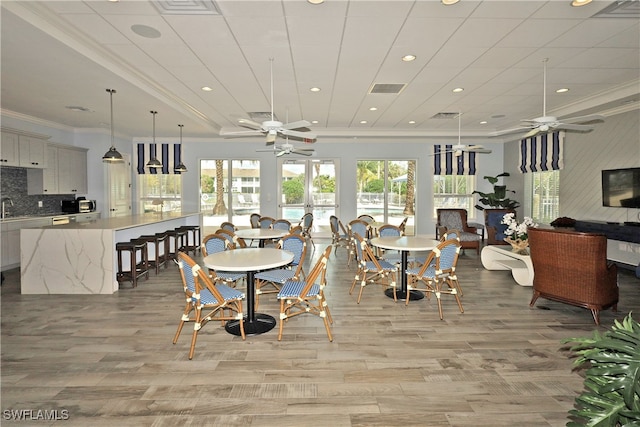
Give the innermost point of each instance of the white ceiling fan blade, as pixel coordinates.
(583, 119)
(296, 125)
(249, 124)
(532, 132)
(579, 128)
(297, 134)
(509, 131)
(238, 132)
(478, 149)
(302, 152)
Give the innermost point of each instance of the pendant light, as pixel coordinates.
(112, 156)
(153, 162)
(180, 167)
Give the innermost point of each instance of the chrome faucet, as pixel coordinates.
(4, 202)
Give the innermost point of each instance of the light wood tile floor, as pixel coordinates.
(108, 360)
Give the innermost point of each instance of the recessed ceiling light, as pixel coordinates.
(315, 89)
(315, 122)
(457, 90)
(206, 88)
(408, 58)
(373, 109)
(449, 2)
(146, 31)
(562, 90)
(315, 1)
(363, 122)
(578, 3)
(484, 122)
(412, 122)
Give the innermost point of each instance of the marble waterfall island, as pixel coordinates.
(80, 258)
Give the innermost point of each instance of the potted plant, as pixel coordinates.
(497, 199)
(612, 378)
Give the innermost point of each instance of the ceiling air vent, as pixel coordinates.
(186, 7)
(261, 116)
(620, 9)
(387, 88)
(445, 115)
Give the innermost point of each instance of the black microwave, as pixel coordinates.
(77, 206)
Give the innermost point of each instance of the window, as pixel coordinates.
(160, 193)
(217, 203)
(545, 195)
(386, 190)
(453, 191)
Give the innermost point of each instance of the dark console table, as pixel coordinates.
(626, 255)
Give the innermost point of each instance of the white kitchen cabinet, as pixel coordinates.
(72, 170)
(66, 172)
(32, 152)
(44, 181)
(9, 150)
(10, 243)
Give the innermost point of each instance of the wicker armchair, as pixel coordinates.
(572, 268)
(448, 219)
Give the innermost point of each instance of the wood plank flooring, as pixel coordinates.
(108, 360)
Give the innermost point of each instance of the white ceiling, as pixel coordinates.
(66, 53)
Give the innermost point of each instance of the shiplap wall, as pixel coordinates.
(613, 144)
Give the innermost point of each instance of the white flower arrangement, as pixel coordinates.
(515, 230)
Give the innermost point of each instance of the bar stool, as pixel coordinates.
(176, 241)
(163, 239)
(136, 269)
(192, 238)
(157, 243)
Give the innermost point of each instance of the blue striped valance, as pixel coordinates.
(168, 154)
(542, 152)
(445, 162)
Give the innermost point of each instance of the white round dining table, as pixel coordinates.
(250, 260)
(405, 244)
(260, 234)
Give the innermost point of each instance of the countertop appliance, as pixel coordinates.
(79, 205)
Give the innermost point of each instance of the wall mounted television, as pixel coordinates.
(621, 188)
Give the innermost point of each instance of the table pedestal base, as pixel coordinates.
(261, 324)
(402, 295)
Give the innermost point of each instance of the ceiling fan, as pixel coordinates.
(287, 148)
(546, 123)
(460, 148)
(271, 128)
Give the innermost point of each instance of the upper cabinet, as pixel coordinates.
(72, 170)
(66, 172)
(9, 150)
(32, 152)
(23, 149)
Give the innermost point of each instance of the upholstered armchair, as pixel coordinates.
(492, 223)
(448, 219)
(572, 268)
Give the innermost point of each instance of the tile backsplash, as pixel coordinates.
(13, 184)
